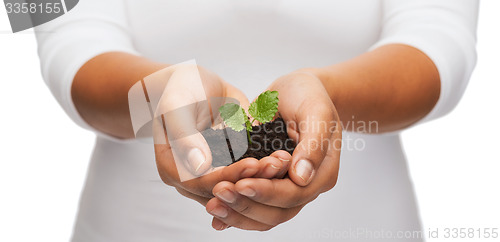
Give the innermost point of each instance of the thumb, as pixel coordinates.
(193, 153)
(314, 129)
(178, 130)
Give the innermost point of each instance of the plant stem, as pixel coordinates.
(248, 135)
(248, 131)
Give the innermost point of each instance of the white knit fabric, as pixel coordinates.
(250, 43)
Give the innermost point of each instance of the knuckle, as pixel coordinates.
(244, 209)
(222, 174)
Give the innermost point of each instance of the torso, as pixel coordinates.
(249, 44)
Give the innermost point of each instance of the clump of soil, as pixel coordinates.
(228, 146)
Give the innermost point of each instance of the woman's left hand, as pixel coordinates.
(313, 122)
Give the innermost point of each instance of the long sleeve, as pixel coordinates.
(93, 27)
(445, 30)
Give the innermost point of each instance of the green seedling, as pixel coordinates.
(263, 109)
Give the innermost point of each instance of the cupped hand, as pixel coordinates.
(189, 104)
(313, 122)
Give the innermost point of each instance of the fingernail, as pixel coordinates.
(284, 160)
(274, 164)
(226, 196)
(219, 212)
(304, 170)
(195, 159)
(248, 192)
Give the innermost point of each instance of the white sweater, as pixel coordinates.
(250, 43)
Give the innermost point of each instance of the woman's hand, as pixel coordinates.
(188, 105)
(313, 122)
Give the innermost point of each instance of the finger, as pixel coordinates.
(320, 148)
(285, 159)
(228, 216)
(245, 168)
(274, 166)
(282, 193)
(194, 153)
(189, 147)
(285, 193)
(184, 111)
(225, 192)
(171, 167)
(269, 167)
(203, 185)
(308, 117)
(217, 224)
(315, 127)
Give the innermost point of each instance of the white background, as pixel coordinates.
(454, 161)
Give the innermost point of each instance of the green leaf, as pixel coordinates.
(234, 116)
(264, 108)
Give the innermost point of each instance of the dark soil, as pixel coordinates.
(229, 146)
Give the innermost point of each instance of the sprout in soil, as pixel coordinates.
(263, 109)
